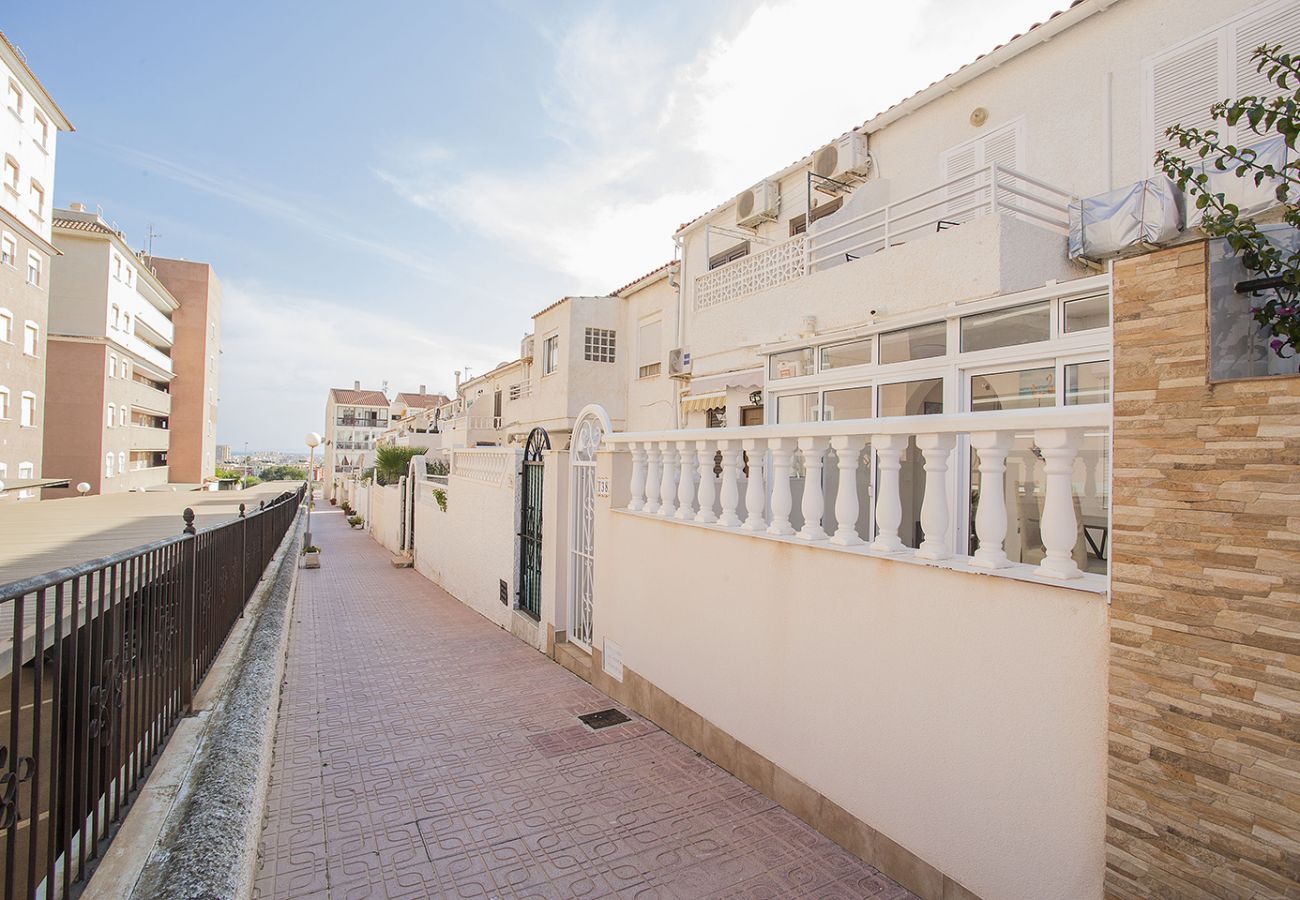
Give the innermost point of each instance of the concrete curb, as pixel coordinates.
(198, 820)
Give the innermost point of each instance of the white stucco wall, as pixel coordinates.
(962, 716)
(471, 547)
(650, 400)
(385, 521)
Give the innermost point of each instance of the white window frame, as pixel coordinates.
(108, 465)
(14, 174)
(24, 421)
(7, 334)
(26, 470)
(9, 248)
(110, 415)
(112, 365)
(31, 339)
(37, 191)
(4, 403)
(42, 130)
(550, 354)
(643, 368)
(14, 99)
(35, 263)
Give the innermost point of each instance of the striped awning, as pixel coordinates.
(698, 402)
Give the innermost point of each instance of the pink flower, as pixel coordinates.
(1276, 344)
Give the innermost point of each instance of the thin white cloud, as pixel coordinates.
(649, 144)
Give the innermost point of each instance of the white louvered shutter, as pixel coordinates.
(961, 163)
(1003, 147)
(1280, 27)
(1185, 84)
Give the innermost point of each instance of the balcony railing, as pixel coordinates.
(842, 237)
(944, 206)
(697, 476)
(354, 422)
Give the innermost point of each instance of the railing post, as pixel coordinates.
(638, 478)
(991, 514)
(755, 489)
(188, 599)
(993, 189)
(814, 500)
(848, 455)
(654, 475)
(889, 504)
(1060, 528)
(936, 520)
(707, 487)
(668, 479)
(730, 497)
(782, 454)
(685, 481)
(243, 560)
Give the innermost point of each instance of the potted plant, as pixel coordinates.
(334, 501)
(356, 521)
(311, 557)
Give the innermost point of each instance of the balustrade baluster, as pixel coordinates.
(704, 455)
(685, 480)
(848, 455)
(653, 477)
(638, 477)
(936, 521)
(1060, 527)
(730, 497)
(782, 454)
(889, 505)
(991, 513)
(668, 483)
(814, 500)
(755, 490)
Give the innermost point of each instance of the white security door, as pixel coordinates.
(591, 427)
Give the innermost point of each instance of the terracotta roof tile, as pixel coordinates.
(423, 401)
(358, 398)
(84, 225)
(619, 291)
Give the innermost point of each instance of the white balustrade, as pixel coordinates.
(730, 496)
(756, 490)
(668, 479)
(653, 477)
(638, 477)
(704, 455)
(935, 519)
(991, 517)
(674, 475)
(813, 450)
(782, 450)
(686, 480)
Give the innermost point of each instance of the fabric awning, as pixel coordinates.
(699, 402)
(747, 380)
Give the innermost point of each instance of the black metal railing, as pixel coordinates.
(101, 661)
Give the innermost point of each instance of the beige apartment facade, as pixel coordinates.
(354, 420)
(110, 369)
(29, 127)
(196, 359)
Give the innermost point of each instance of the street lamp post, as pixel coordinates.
(313, 441)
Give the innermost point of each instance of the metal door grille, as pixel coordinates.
(530, 523)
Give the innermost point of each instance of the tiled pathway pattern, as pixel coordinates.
(423, 752)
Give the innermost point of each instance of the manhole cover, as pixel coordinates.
(603, 719)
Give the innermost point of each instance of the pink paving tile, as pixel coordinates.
(424, 752)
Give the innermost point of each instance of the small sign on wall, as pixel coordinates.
(612, 660)
(602, 486)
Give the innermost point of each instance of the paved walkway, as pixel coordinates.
(424, 752)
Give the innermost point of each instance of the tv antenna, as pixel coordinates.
(150, 235)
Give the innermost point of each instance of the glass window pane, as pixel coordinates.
(796, 408)
(1006, 327)
(921, 342)
(1087, 383)
(849, 403)
(1024, 389)
(912, 398)
(1086, 313)
(791, 364)
(857, 353)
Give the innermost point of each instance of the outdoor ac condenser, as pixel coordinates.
(759, 204)
(845, 160)
(679, 363)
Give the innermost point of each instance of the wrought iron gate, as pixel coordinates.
(591, 427)
(530, 523)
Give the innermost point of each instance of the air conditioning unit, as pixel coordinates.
(759, 204)
(679, 363)
(526, 348)
(845, 160)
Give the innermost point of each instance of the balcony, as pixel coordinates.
(142, 396)
(853, 234)
(142, 437)
(780, 482)
(354, 422)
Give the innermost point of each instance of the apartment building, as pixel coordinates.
(111, 363)
(191, 457)
(408, 404)
(30, 122)
(354, 420)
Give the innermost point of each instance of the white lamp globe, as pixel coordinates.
(313, 439)
(83, 488)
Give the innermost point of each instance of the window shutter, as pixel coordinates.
(1185, 84)
(650, 343)
(1275, 27)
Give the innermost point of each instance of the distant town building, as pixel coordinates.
(223, 453)
(29, 127)
(354, 419)
(196, 358)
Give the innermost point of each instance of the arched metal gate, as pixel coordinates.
(530, 523)
(591, 427)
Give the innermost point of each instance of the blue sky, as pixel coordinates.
(389, 192)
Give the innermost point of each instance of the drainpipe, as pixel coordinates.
(680, 329)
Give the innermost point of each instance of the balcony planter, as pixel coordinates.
(356, 521)
(311, 558)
